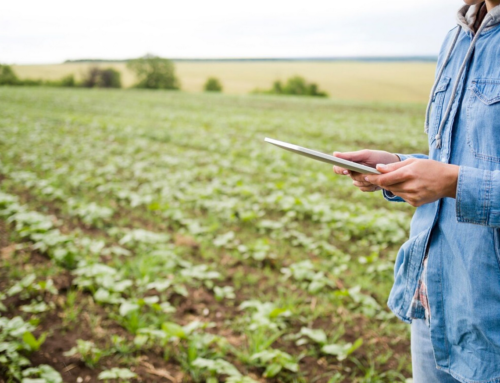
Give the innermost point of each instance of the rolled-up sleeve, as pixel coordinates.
(478, 196)
(387, 194)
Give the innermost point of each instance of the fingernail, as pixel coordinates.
(345, 172)
(381, 165)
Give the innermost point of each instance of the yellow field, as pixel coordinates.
(370, 81)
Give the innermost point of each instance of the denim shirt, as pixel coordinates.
(461, 235)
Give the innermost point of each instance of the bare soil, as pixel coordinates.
(94, 324)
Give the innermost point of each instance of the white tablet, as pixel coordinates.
(355, 167)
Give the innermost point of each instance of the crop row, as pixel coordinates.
(177, 214)
(108, 286)
(312, 277)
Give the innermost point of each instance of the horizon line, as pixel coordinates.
(395, 58)
(296, 58)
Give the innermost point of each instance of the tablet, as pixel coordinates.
(354, 166)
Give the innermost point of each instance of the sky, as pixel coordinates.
(51, 31)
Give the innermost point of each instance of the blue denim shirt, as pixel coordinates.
(461, 235)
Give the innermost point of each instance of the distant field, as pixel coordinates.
(366, 81)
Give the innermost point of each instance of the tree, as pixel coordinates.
(296, 86)
(8, 76)
(102, 78)
(109, 78)
(277, 87)
(154, 73)
(68, 81)
(213, 85)
(91, 78)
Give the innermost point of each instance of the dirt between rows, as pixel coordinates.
(93, 324)
(148, 366)
(199, 305)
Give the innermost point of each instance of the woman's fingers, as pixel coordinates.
(358, 176)
(361, 184)
(358, 179)
(392, 174)
(387, 168)
(370, 188)
(358, 156)
(341, 171)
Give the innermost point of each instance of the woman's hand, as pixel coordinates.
(417, 181)
(364, 157)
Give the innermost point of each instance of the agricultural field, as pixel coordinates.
(152, 236)
(366, 81)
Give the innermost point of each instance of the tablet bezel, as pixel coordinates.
(349, 165)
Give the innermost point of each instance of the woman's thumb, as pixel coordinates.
(350, 156)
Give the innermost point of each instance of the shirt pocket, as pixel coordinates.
(483, 119)
(437, 107)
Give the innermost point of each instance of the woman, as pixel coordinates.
(447, 276)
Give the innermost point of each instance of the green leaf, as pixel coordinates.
(240, 379)
(36, 307)
(33, 343)
(117, 373)
(277, 312)
(336, 349)
(45, 373)
(127, 307)
(342, 351)
(294, 367)
(357, 344)
(166, 307)
(140, 340)
(318, 336)
(272, 370)
(173, 330)
(218, 366)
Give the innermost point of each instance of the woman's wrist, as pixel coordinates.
(451, 176)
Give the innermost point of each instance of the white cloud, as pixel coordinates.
(54, 30)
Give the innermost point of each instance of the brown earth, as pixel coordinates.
(199, 305)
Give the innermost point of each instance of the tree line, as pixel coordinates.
(152, 72)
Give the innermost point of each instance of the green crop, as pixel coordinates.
(165, 219)
(86, 351)
(121, 374)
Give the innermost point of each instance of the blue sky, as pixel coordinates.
(52, 31)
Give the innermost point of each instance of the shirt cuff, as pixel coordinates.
(403, 157)
(391, 197)
(474, 195)
(387, 194)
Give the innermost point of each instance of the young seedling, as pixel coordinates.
(341, 351)
(41, 374)
(119, 374)
(226, 292)
(275, 360)
(216, 367)
(304, 273)
(16, 341)
(87, 352)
